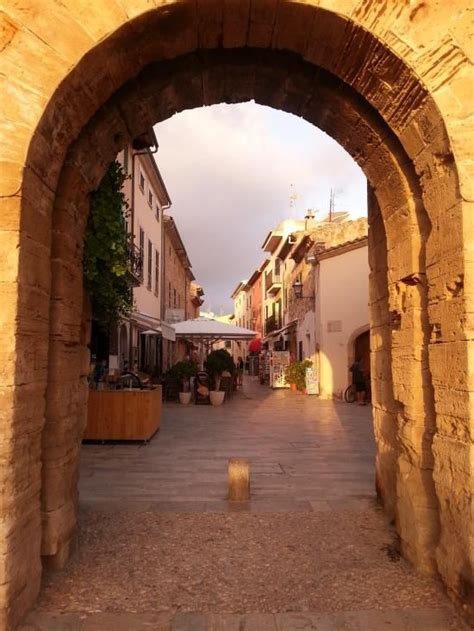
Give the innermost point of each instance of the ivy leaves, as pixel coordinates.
(106, 260)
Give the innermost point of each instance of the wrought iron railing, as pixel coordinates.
(135, 257)
(272, 324)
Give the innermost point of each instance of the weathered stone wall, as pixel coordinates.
(395, 98)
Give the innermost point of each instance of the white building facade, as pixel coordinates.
(342, 314)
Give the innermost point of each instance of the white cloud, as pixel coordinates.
(228, 169)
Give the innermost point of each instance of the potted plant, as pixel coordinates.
(301, 380)
(290, 376)
(183, 371)
(218, 362)
(296, 374)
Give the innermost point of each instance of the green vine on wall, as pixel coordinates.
(106, 260)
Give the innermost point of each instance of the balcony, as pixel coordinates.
(273, 323)
(272, 283)
(135, 259)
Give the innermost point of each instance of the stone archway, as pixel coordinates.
(353, 74)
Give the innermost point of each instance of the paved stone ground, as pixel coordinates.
(161, 548)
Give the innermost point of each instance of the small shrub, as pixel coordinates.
(296, 373)
(183, 371)
(216, 363)
(106, 261)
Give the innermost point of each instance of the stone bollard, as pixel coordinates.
(239, 480)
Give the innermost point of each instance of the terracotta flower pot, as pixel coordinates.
(217, 397)
(185, 398)
(293, 387)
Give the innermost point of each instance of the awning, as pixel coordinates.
(287, 326)
(255, 345)
(210, 330)
(168, 332)
(153, 326)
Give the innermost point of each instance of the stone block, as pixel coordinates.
(58, 528)
(210, 23)
(262, 21)
(293, 27)
(59, 479)
(327, 34)
(10, 179)
(417, 516)
(9, 255)
(236, 23)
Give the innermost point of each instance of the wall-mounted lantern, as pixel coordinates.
(298, 290)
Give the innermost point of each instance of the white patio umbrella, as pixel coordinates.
(211, 330)
(206, 331)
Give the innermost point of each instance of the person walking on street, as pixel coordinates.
(240, 371)
(358, 379)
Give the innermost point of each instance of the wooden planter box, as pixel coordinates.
(123, 414)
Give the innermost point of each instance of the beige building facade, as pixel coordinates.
(242, 317)
(391, 82)
(179, 289)
(140, 340)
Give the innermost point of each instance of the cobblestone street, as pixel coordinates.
(161, 548)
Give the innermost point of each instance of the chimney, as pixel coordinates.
(309, 220)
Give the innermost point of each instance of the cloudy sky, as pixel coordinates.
(230, 171)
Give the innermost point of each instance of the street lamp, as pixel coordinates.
(298, 290)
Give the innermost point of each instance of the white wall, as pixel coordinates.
(343, 297)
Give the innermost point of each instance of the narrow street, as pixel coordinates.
(160, 547)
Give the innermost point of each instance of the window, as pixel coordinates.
(150, 264)
(174, 298)
(141, 181)
(169, 293)
(300, 351)
(157, 272)
(157, 213)
(150, 198)
(169, 250)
